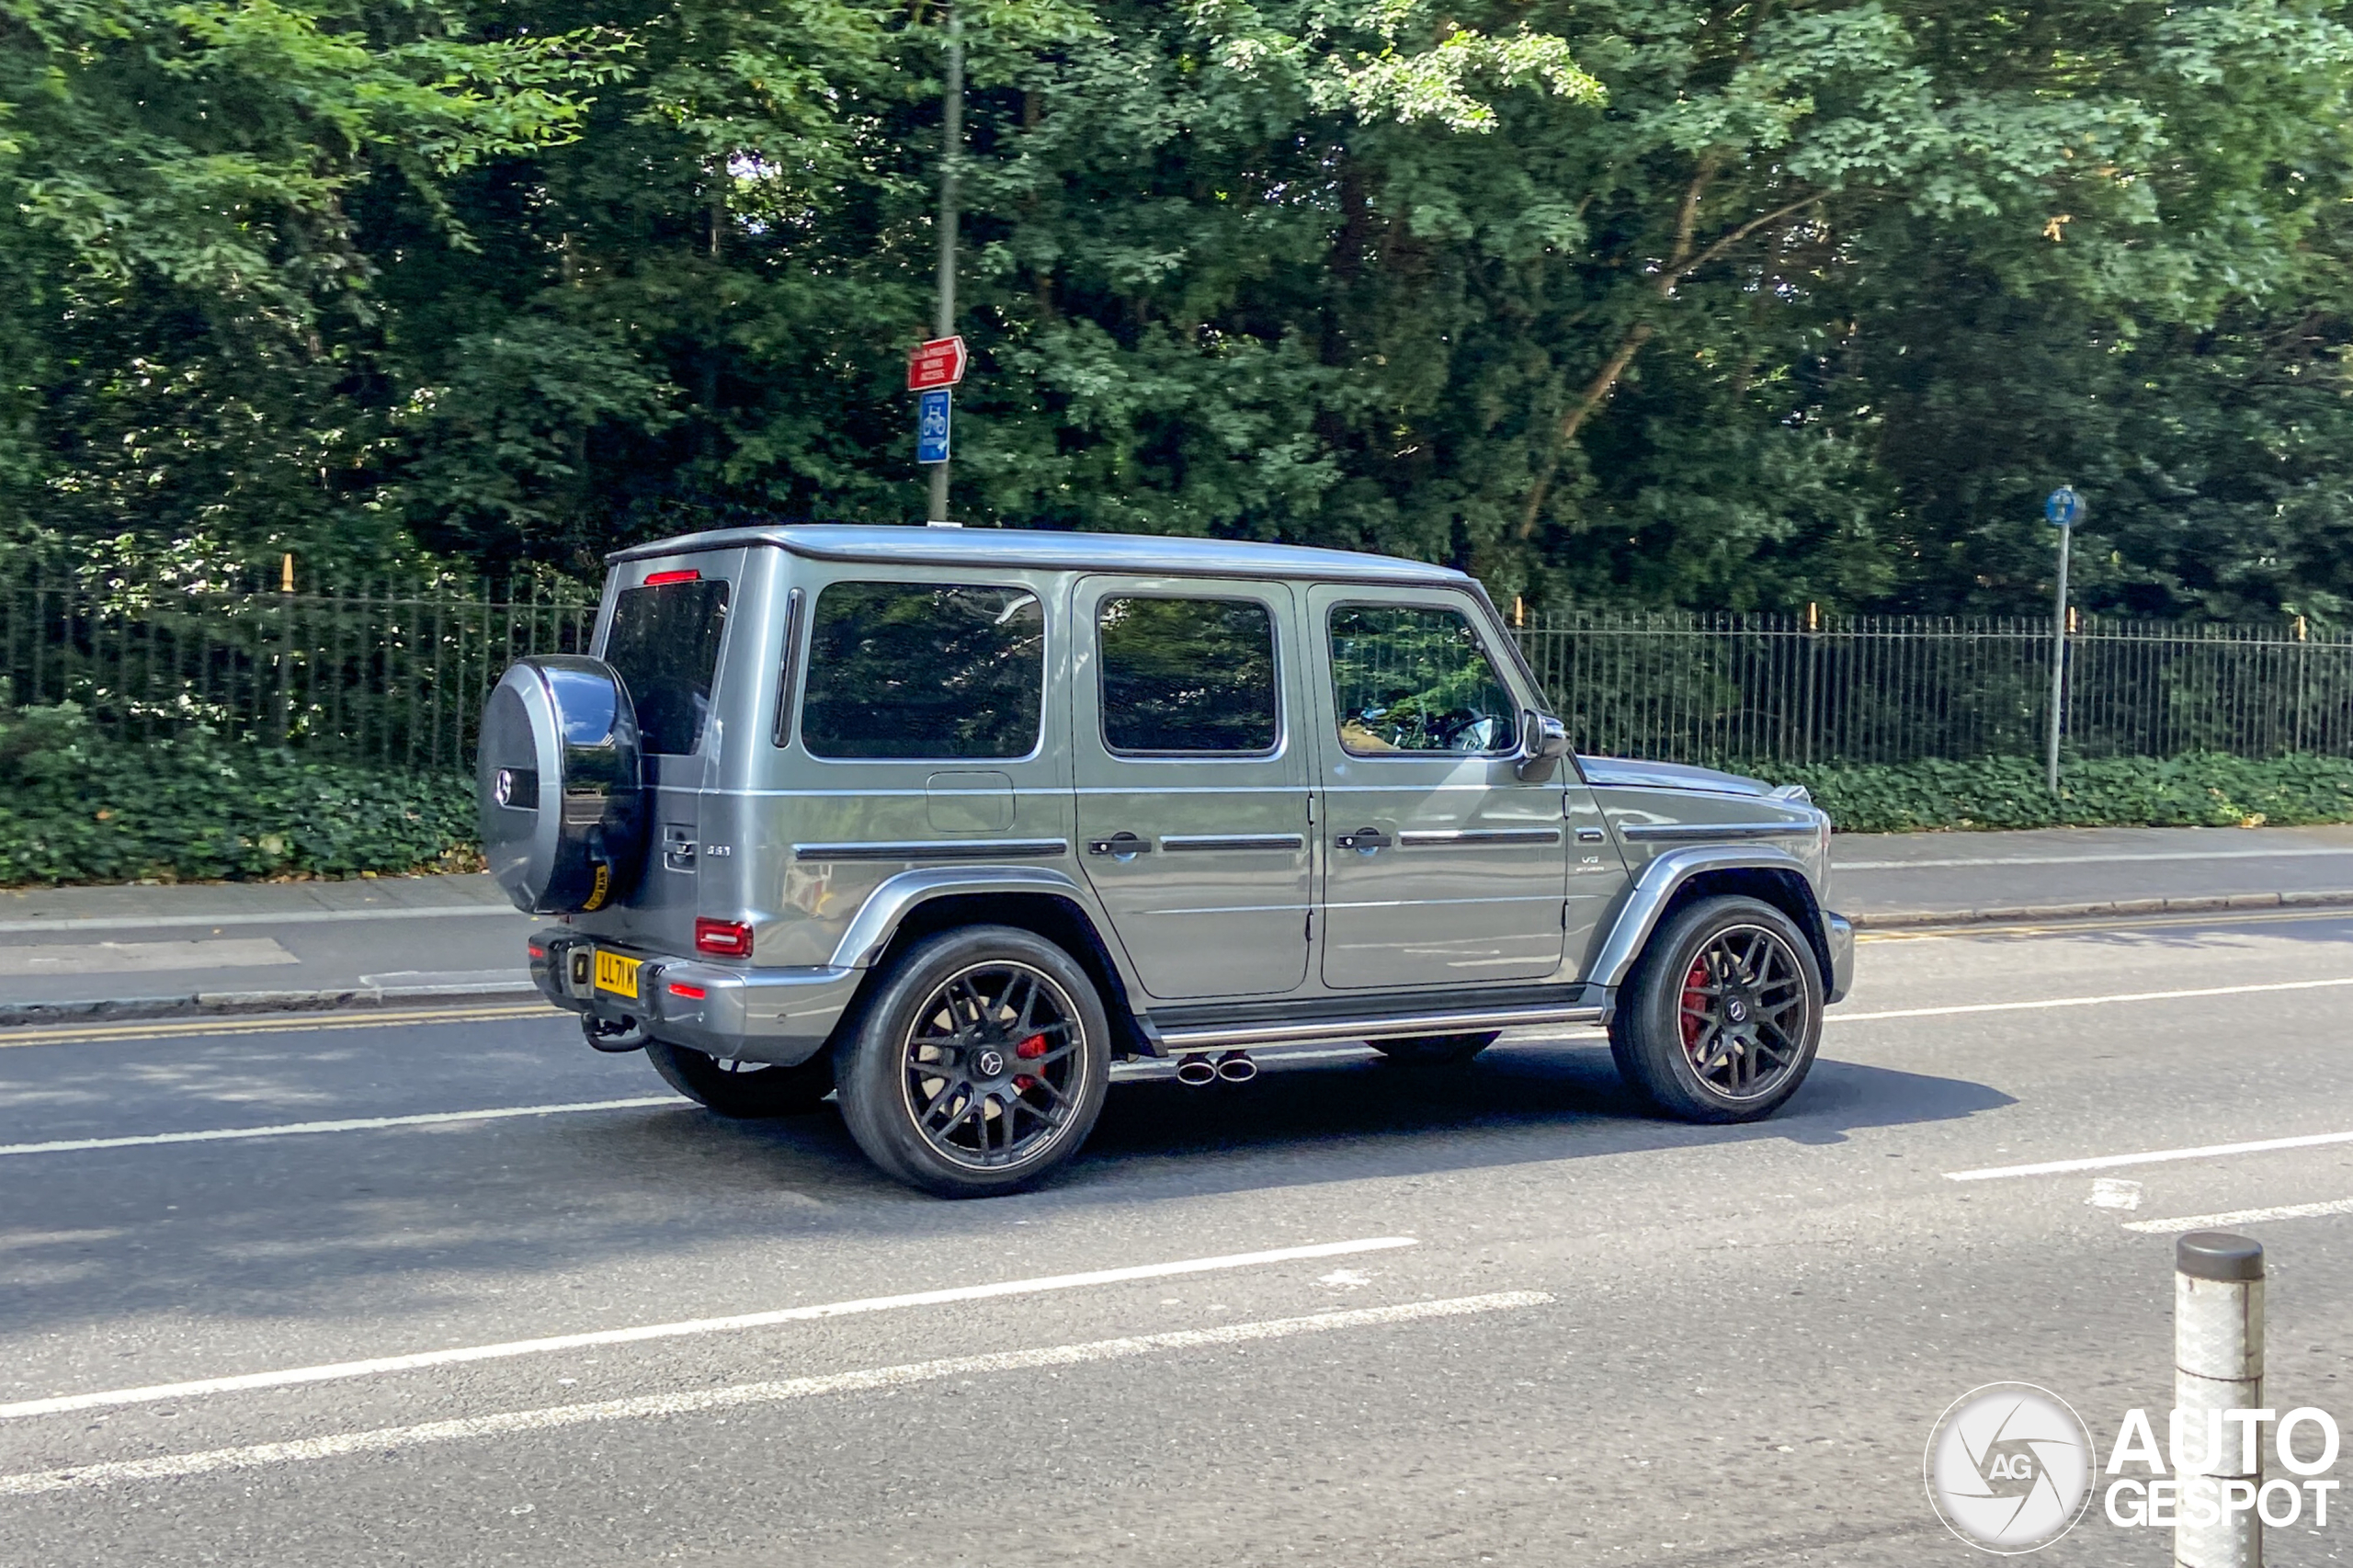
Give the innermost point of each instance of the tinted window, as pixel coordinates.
(665, 642)
(1186, 674)
(1410, 679)
(918, 669)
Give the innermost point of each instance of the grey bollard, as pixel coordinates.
(2218, 1366)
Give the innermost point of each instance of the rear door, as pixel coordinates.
(1443, 866)
(1192, 780)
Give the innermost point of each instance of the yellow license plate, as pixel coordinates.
(617, 974)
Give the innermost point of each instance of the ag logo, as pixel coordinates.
(2009, 1467)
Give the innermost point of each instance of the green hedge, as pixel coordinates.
(78, 806)
(2202, 790)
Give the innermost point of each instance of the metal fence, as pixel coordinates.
(387, 674)
(397, 675)
(1788, 688)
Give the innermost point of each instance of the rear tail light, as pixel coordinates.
(536, 951)
(723, 939)
(691, 993)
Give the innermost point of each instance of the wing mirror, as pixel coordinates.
(1543, 743)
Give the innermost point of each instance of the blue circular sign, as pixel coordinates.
(2064, 508)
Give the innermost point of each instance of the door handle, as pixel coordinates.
(1123, 846)
(1364, 840)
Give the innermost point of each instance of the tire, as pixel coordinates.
(1721, 1017)
(979, 1063)
(1434, 1050)
(747, 1091)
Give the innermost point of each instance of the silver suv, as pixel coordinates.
(943, 822)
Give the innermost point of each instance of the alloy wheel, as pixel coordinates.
(990, 1067)
(1745, 1012)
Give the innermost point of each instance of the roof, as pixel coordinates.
(1055, 552)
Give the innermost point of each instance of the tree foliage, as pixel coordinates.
(1742, 305)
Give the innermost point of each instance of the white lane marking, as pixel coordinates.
(2242, 1217)
(351, 1124)
(289, 917)
(141, 957)
(341, 1369)
(1836, 865)
(2084, 1001)
(2151, 1157)
(2114, 1192)
(391, 1439)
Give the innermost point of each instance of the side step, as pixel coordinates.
(1381, 1025)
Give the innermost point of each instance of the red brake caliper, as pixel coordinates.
(1694, 1004)
(1027, 1050)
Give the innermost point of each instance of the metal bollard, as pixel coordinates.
(2218, 1366)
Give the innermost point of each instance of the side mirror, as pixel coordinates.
(1543, 743)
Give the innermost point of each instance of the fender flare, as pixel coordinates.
(1666, 875)
(877, 920)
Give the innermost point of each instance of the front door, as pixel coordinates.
(1442, 865)
(1192, 782)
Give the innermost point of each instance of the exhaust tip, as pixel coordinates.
(1236, 1067)
(1196, 1071)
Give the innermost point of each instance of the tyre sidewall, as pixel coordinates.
(868, 1067)
(1649, 1050)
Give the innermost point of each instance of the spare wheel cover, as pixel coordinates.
(558, 783)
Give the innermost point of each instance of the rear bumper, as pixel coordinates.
(1839, 933)
(781, 1015)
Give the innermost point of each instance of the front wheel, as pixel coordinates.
(1720, 1018)
(979, 1064)
(745, 1090)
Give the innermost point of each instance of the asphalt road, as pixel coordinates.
(1562, 1333)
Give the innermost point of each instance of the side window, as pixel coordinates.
(665, 642)
(1414, 679)
(924, 670)
(1194, 675)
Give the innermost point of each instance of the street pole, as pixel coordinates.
(951, 138)
(2063, 509)
(2059, 659)
(2218, 1369)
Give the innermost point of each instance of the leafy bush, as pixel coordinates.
(2202, 789)
(77, 805)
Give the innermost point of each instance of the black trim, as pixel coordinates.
(786, 670)
(961, 849)
(1189, 843)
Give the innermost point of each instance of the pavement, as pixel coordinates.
(388, 1287)
(130, 951)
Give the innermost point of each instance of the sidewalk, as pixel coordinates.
(232, 946)
(1934, 879)
(67, 952)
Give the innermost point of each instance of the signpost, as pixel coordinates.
(931, 413)
(938, 363)
(2063, 508)
(931, 430)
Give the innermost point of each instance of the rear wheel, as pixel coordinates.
(745, 1090)
(1721, 1017)
(980, 1064)
(1434, 1050)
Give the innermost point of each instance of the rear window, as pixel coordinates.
(1187, 676)
(665, 642)
(924, 670)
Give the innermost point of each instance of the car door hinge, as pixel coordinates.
(1564, 915)
(1311, 925)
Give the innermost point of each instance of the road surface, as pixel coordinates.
(1347, 1315)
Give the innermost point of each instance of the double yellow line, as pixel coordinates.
(270, 1023)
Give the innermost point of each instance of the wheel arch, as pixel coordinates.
(1045, 903)
(1676, 880)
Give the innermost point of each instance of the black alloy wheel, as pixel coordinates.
(981, 1065)
(1721, 1016)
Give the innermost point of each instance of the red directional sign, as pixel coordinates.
(939, 363)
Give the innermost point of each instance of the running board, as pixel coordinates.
(1386, 1025)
